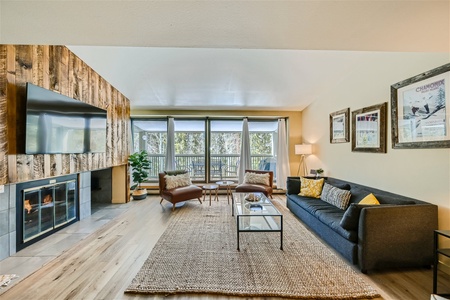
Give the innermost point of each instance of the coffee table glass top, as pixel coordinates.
(260, 206)
(259, 215)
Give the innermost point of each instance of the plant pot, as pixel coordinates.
(139, 194)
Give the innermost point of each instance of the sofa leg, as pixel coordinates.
(173, 207)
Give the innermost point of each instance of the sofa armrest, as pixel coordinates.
(293, 185)
(396, 236)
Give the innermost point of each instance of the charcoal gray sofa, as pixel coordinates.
(396, 233)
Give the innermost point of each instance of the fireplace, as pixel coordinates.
(44, 207)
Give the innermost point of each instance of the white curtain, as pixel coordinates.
(170, 152)
(245, 159)
(283, 168)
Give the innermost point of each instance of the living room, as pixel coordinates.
(373, 57)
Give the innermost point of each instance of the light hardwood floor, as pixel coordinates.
(98, 257)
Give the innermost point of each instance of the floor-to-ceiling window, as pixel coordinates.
(263, 144)
(151, 135)
(209, 149)
(190, 147)
(225, 149)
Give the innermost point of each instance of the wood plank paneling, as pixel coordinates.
(3, 118)
(38, 166)
(40, 66)
(56, 165)
(94, 88)
(115, 125)
(57, 69)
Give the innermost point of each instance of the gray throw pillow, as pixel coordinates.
(335, 196)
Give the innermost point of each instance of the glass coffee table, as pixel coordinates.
(255, 213)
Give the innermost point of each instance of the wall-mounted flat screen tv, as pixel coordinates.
(59, 124)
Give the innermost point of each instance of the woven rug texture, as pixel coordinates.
(197, 254)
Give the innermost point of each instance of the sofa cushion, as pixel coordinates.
(182, 193)
(174, 181)
(325, 212)
(335, 196)
(369, 199)
(332, 216)
(394, 200)
(350, 220)
(255, 178)
(311, 187)
(342, 186)
(309, 204)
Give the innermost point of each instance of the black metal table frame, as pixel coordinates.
(260, 216)
(436, 253)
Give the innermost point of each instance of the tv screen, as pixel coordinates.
(59, 124)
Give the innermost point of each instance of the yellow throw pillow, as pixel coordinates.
(311, 187)
(370, 199)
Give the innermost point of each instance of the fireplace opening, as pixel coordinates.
(101, 189)
(44, 207)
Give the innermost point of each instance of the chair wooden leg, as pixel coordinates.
(200, 200)
(161, 201)
(173, 207)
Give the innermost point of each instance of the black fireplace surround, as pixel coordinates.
(44, 207)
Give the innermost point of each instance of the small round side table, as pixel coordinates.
(227, 184)
(210, 188)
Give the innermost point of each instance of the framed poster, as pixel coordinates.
(339, 126)
(369, 129)
(419, 115)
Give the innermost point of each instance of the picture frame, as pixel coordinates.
(339, 126)
(369, 129)
(419, 115)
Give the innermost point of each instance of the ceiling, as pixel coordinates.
(233, 55)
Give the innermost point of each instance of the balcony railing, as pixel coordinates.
(222, 166)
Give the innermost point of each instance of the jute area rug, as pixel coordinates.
(197, 254)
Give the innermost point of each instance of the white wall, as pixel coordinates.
(419, 173)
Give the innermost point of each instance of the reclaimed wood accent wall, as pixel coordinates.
(55, 68)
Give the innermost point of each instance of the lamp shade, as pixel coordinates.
(303, 149)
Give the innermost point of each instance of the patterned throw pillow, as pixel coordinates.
(311, 187)
(335, 196)
(256, 178)
(173, 181)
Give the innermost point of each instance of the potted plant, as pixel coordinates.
(140, 165)
(319, 172)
